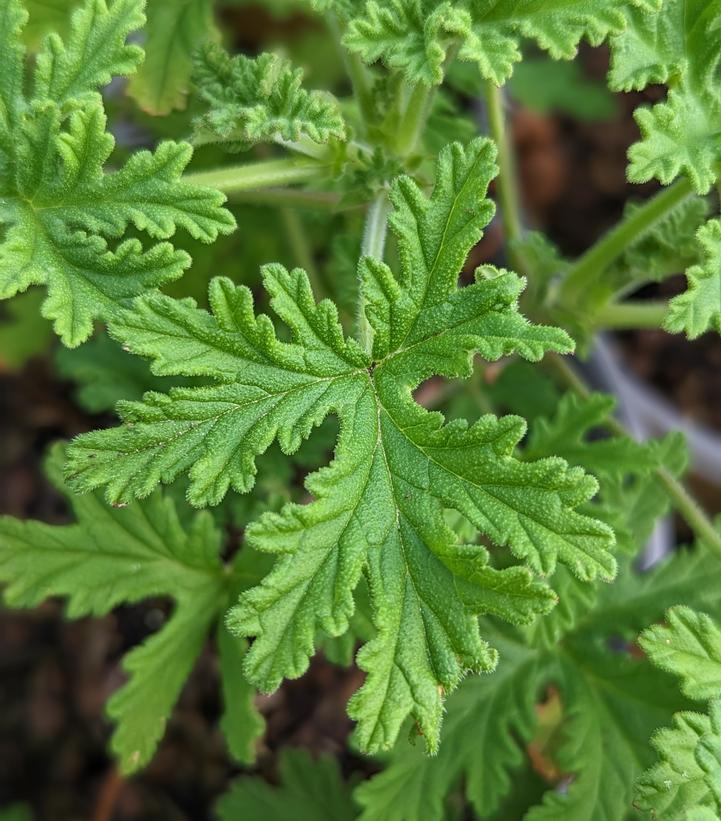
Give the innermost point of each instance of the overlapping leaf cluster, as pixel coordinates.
(61, 214)
(415, 37)
(681, 47)
(580, 650)
(378, 509)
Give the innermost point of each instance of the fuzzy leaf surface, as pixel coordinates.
(688, 646)
(679, 45)
(699, 309)
(688, 776)
(261, 99)
(378, 508)
(414, 36)
(491, 719)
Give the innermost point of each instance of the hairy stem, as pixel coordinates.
(415, 109)
(374, 240)
(610, 247)
(264, 174)
(682, 501)
(506, 184)
(357, 72)
(294, 198)
(300, 248)
(625, 315)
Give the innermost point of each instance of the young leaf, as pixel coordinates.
(415, 36)
(173, 32)
(690, 648)
(378, 508)
(260, 100)
(680, 45)
(310, 790)
(699, 309)
(113, 556)
(59, 208)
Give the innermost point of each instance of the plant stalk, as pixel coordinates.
(357, 72)
(506, 184)
(682, 501)
(413, 119)
(302, 252)
(610, 247)
(257, 175)
(626, 315)
(373, 244)
(294, 198)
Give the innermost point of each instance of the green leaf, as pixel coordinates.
(415, 36)
(379, 507)
(680, 45)
(568, 434)
(688, 647)
(611, 699)
(487, 721)
(613, 704)
(699, 309)
(173, 32)
(61, 212)
(114, 556)
(242, 724)
(257, 100)
(688, 777)
(94, 52)
(157, 671)
(310, 790)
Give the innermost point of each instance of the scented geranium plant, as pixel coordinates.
(277, 284)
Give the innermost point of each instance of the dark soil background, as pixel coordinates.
(57, 675)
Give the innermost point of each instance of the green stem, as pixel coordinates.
(265, 174)
(294, 197)
(357, 72)
(610, 247)
(630, 314)
(506, 184)
(374, 240)
(680, 498)
(415, 109)
(300, 248)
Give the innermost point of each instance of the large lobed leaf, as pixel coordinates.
(61, 213)
(378, 509)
